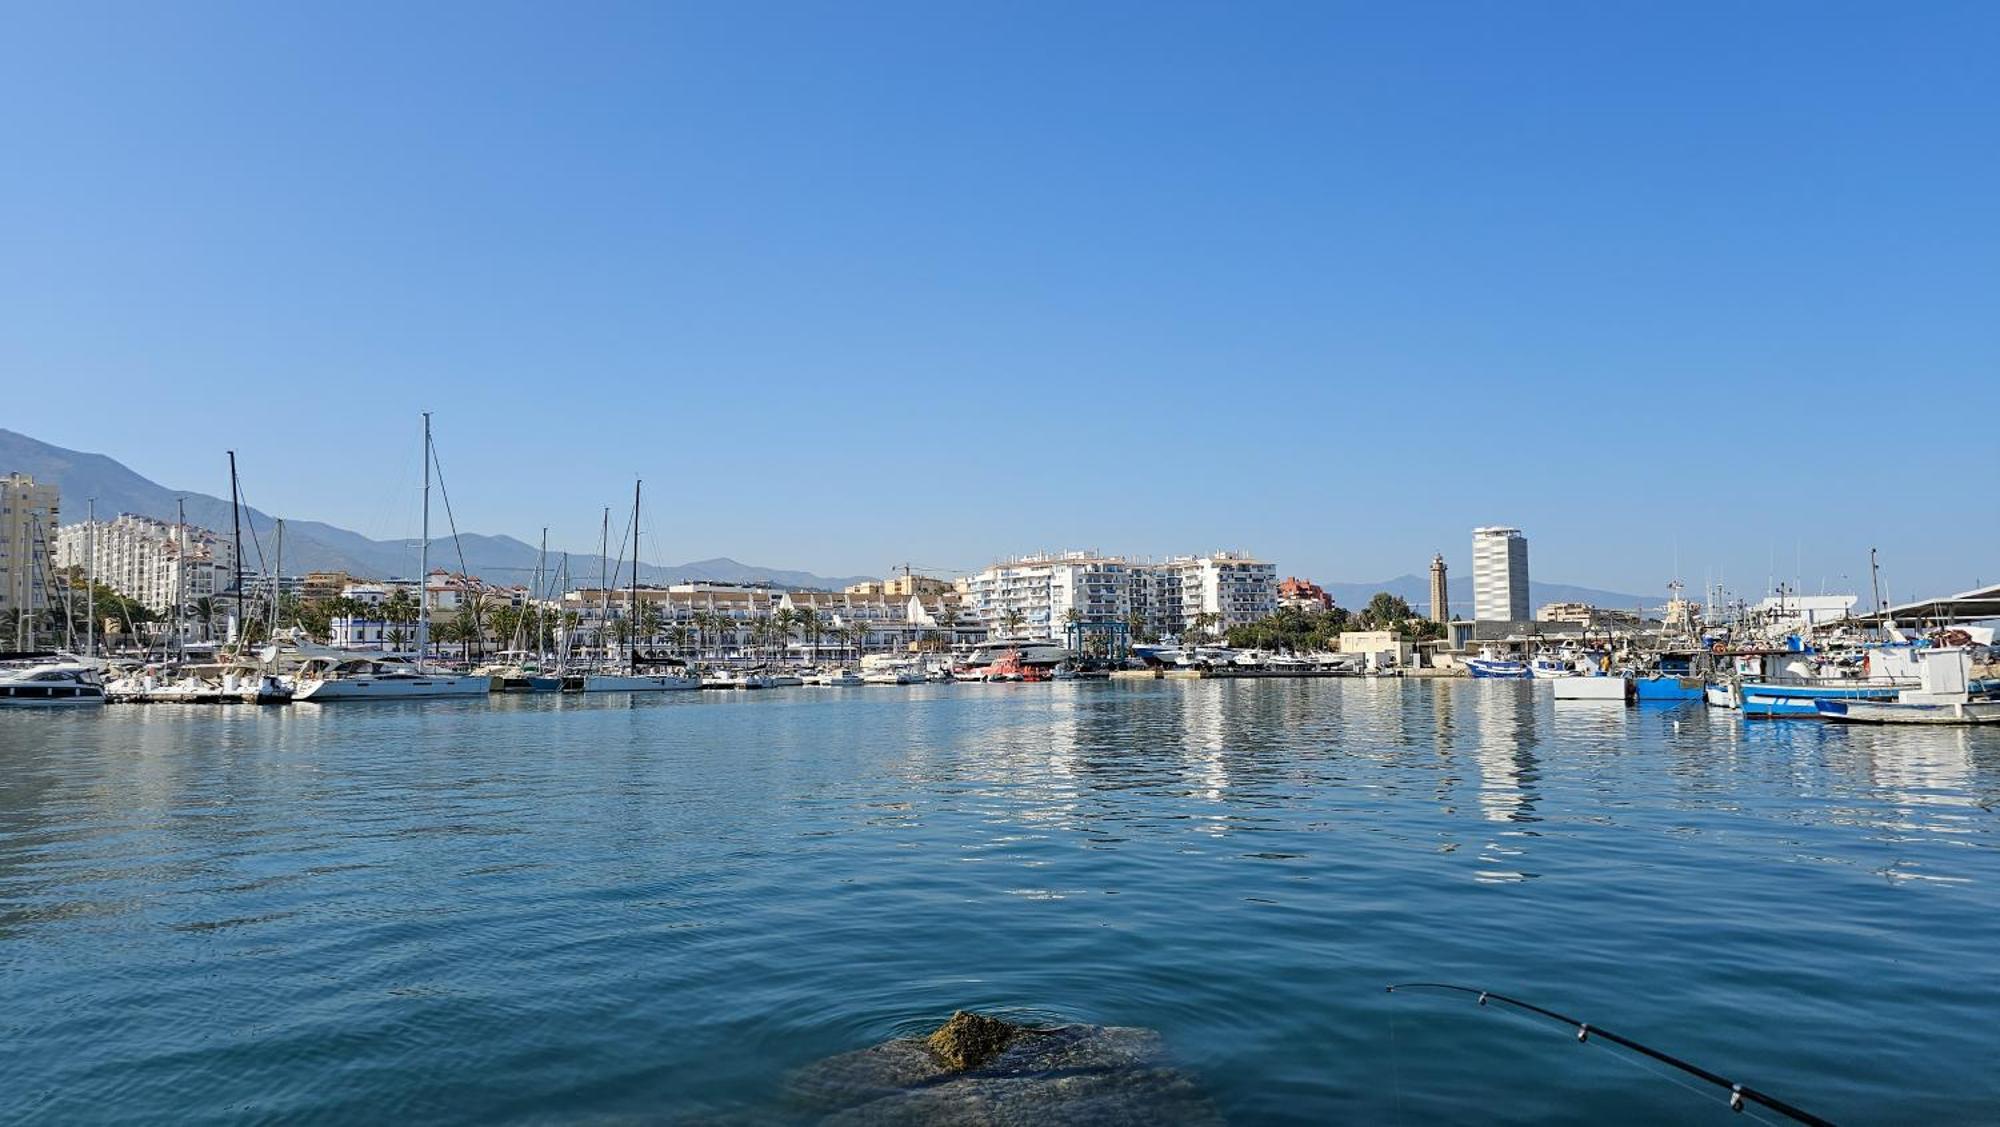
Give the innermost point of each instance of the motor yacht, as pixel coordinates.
(55, 683)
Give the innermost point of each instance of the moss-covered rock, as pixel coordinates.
(993, 1073)
(969, 1040)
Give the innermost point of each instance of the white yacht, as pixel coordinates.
(322, 680)
(59, 683)
(327, 679)
(1033, 651)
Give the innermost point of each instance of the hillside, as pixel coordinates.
(317, 546)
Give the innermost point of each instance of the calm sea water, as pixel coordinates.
(556, 909)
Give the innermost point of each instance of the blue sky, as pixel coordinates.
(852, 285)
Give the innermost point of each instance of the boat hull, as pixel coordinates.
(1614, 689)
(637, 683)
(1663, 687)
(1498, 670)
(1776, 702)
(390, 688)
(1898, 712)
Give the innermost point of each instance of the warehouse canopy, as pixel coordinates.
(1969, 606)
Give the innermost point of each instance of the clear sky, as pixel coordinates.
(858, 284)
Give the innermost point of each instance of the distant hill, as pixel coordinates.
(317, 546)
(1417, 590)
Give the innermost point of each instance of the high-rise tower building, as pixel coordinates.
(1499, 575)
(1440, 593)
(28, 515)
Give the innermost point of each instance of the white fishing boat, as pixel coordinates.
(1943, 696)
(839, 678)
(55, 683)
(326, 679)
(1547, 666)
(1985, 711)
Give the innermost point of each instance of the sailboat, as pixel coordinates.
(333, 678)
(630, 679)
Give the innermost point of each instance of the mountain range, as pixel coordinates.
(317, 546)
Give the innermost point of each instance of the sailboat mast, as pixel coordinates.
(541, 608)
(180, 579)
(277, 581)
(603, 588)
(236, 544)
(424, 557)
(632, 603)
(90, 586)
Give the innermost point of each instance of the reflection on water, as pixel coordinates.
(567, 908)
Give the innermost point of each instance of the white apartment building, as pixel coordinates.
(1499, 575)
(1235, 588)
(28, 514)
(1042, 592)
(152, 561)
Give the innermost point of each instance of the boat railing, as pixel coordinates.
(1794, 680)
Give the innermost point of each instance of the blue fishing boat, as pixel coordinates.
(1491, 666)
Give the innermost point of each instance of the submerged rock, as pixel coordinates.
(969, 1040)
(979, 1070)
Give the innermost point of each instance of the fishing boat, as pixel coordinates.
(1945, 694)
(49, 681)
(1547, 666)
(326, 679)
(1786, 683)
(1984, 711)
(1491, 666)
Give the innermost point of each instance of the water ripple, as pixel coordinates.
(618, 910)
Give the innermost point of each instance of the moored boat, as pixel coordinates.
(57, 683)
(1900, 712)
(326, 680)
(1491, 666)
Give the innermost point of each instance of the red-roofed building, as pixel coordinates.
(1303, 594)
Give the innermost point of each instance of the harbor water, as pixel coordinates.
(557, 909)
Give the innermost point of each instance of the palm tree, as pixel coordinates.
(781, 629)
(857, 636)
(677, 637)
(811, 622)
(649, 622)
(1011, 621)
(204, 613)
(1135, 627)
(947, 617)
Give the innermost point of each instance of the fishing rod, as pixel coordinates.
(1738, 1093)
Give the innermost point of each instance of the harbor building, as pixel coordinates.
(1440, 591)
(1499, 575)
(154, 562)
(1586, 614)
(28, 515)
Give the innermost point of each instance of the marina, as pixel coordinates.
(696, 895)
